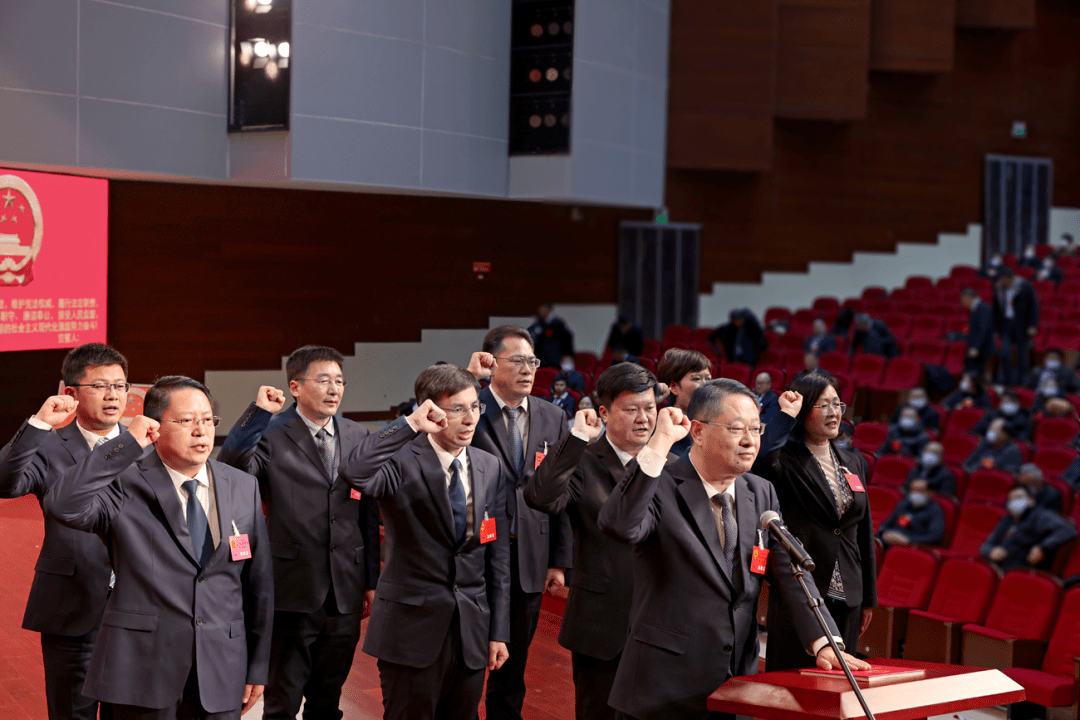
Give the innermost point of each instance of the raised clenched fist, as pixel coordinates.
(144, 430)
(587, 422)
(790, 403)
(428, 418)
(269, 398)
(672, 424)
(482, 364)
(56, 409)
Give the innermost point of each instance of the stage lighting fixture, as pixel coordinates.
(542, 54)
(261, 53)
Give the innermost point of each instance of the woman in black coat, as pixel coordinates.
(822, 496)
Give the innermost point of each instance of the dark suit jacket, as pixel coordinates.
(165, 611)
(1037, 526)
(1025, 310)
(922, 525)
(980, 334)
(769, 404)
(576, 479)
(1018, 425)
(940, 478)
(810, 511)
(543, 541)
(1007, 457)
(566, 404)
(318, 534)
(71, 577)
(688, 632)
(427, 577)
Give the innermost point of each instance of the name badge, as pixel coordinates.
(855, 483)
(487, 529)
(760, 558)
(239, 545)
(354, 494)
(539, 459)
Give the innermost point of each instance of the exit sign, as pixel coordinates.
(481, 267)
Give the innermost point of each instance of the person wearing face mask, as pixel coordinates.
(993, 267)
(930, 468)
(821, 341)
(970, 393)
(1053, 369)
(1028, 536)
(1049, 270)
(917, 399)
(906, 437)
(843, 438)
(574, 379)
(1017, 419)
(1047, 392)
(1029, 258)
(997, 451)
(1045, 496)
(917, 519)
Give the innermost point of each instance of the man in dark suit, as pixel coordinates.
(1053, 370)
(916, 520)
(997, 451)
(324, 536)
(441, 613)
(186, 630)
(561, 397)
(520, 432)
(576, 479)
(626, 333)
(693, 614)
(551, 337)
(1017, 418)
(1016, 320)
(71, 578)
(1028, 536)
(980, 332)
(930, 468)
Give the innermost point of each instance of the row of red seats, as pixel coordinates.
(1048, 432)
(953, 610)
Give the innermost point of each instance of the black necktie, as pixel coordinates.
(458, 503)
(326, 452)
(731, 541)
(199, 527)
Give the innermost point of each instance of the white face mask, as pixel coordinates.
(930, 459)
(917, 499)
(1010, 408)
(567, 366)
(1017, 506)
(917, 402)
(1052, 363)
(966, 387)
(991, 436)
(908, 423)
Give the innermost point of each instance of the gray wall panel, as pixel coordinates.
(212, 11)
(458, 163)
(606, 32)
(37, 45)
(605, 110)
(37, 128)
(390, 18)
(480, 27)
(464, 94)
(602, 173)
(352, 152)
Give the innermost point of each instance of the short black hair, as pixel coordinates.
(677, 362)
(300, 360)
(87, 356)
(439, 381)
(707, 401)
(159, 396)
(623, 378)
(969, 292)
(496, 336)
(811, 387)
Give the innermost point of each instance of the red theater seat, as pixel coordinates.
(955, 352)
(1055, 432)
(927, 352)
(585, 362)
(902, 373)
(778, 376)
(963, 272)
(1018, 625)
(927, 327)
(1053, 683)
(874, 292)
(961, 595)
(991, 486)
(892, 470)
(883, 501)
(676, 334)
(650, 348)
(1054, 460)
(866, 369)
(545, 376)
(647, 363)
(777, 313)
(825, 304)
(834, 362)
(950, 507)
(974, 525)
(961, 420)
(869, 436)
(958, 448)
(905, 582)
(737, 371)
(918, 282)
(1062, 335)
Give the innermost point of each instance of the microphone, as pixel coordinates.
(770, 520)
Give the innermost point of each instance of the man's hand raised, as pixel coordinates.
(482, 364)
(56, 409)
(671, 427)
(428, 418)
(790, 403)
(269, 398)
(144, 430)
(587, 422)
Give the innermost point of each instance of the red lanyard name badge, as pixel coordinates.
(761, 555)
(239, 545)
(487, 529)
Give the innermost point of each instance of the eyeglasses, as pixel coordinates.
(327, 382)
(186, 423)
(519, 360)
(738, 429)
(461, 410)
(102, 387)
(826, 407)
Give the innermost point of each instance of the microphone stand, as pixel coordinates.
(815, 605)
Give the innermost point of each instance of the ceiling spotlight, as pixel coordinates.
(283, 49)
(263, 6)
(262, 48)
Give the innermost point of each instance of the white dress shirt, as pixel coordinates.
(522, 420)
(445, 459)
(203, 493)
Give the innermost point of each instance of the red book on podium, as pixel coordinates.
(876, 675)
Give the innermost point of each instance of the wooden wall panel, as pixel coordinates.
(823, 57)
(913, 35)
(911, 170)
(721, 77)
(995, 13)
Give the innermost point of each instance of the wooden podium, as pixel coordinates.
(789, 695)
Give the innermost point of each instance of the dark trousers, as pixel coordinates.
(310, 658)
(447, 689)
(188, 707)
(784, 651)
(1014, 338)
(66, 659)
(593, 679)
(506, 686)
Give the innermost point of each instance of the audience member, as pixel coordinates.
(442, 607)
(1029, 258)
(1047, 392)
(551, 337)
(577, 481)
(520, 432)
(993, 267)
(810, 362)
(188, 622)
(693, 618)
(1028, 536)
(1045, 495)
(298, 457)
(1049, 270)
(822, 341)
(1053, 369)
(928, 414)
(929, 467)
(969, 393)
(586, 403)
(997, 451)
(980, 332)
(619, 354)
(1016, 321)
(1017, 419)
(873, 337)
(574, 379)
(561, 397)
(917, 519)
(843, 438)
(842, 325)
(1067, 246)
(66, 607)
(741, 339)
(682, 371)
(768, 400)
(907, 436)
(628, 334)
